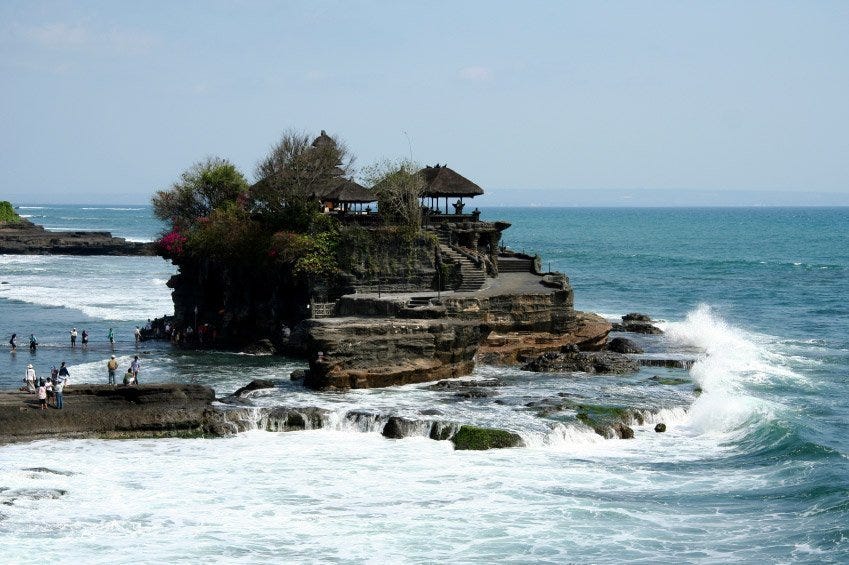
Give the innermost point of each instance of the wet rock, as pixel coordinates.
(298, 375)
(431, 412)
(660, 428)
(294, 419)
(49, 471)
(598, 362)
(441, 431)
(668, 380)
(637, 328)
(465, 384)
(622, 431)
(636, 317)
(255, 384)
(623, 345)
(397, 428)
(668, 363)
(470, 393)
(474, 438)
(260, 347)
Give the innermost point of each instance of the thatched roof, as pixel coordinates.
(350, 191)
(323, 140)
(440, 181)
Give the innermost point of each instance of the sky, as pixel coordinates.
(599, 103)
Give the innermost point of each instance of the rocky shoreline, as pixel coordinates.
(23, 237)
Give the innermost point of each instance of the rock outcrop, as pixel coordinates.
(167, 410)
(375, 352)
(572, 360)
(25, 238)
(637, 323)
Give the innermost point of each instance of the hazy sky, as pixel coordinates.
(105, 102)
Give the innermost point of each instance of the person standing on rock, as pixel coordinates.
(137, 335)
(134, 368)
(111, 367)
(41, 393)
(30, 379)
(64, 374)
(111, 337)
(85, 339)
(73, 337)
(58, 388)
(13, 342)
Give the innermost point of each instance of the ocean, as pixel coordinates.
(753, 466)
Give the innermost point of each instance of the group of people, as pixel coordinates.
(33, 342)
(84, 337)
(131, 377)
(50, 389)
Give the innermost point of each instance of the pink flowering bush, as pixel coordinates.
(173, 243)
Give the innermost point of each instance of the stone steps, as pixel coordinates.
(473, 277)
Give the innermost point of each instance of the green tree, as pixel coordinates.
(208, 185)
(398, 186)
(295, 175)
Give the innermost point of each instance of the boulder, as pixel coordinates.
(474, 438)
(255, 384)
(636, 317)
(260, 347)
(623, 345)
(660, 428)
(397, 428)
(596, 362)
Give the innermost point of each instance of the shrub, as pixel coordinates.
(7, 213)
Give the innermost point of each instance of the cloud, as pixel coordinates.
(475, 73)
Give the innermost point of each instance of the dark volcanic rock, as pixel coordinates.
(260, 347)
(623, 345)
(397, 428)
(601, 362)
(26, 238)
(636, 317)
(660, 428)
(463, 385)
(298, 375)
(255, 384)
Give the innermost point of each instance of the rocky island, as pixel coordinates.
(19, 236)
(412, 290)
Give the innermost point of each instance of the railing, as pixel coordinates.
(322, 309)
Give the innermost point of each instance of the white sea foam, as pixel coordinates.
(115, 209)
(733, 362)
(112, 288)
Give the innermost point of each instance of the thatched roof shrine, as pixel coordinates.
(442, 182)
(350, 191)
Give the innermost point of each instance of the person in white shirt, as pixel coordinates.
(30, 379)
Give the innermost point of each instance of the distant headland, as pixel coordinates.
(19, 236)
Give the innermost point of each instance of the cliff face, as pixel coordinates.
(377, 352)
(242, 303)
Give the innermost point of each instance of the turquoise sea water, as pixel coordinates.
(753, 469)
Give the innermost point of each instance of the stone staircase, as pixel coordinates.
(515, 265)
(473, 277)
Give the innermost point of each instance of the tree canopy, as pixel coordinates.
(206, 186)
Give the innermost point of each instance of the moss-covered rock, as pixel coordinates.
(472, 437)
